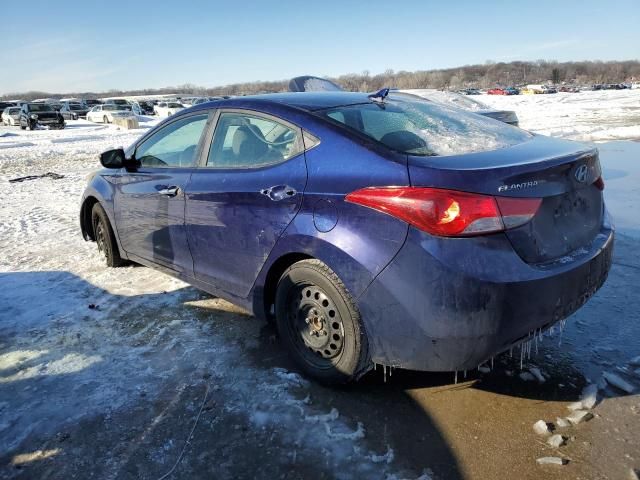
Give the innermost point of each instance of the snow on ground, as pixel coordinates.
(151, 337)
(590, 116)
(79, 340)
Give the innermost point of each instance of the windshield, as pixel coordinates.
(40, 107)
(75, 106)
(114, 108)
(419, 127)
(174, 105)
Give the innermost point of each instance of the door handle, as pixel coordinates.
(169, 191)
(279, 192)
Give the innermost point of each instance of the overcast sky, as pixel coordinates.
(64, 46)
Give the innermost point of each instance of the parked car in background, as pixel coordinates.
(91, 102)
(462, 101)
(496, 91)
(11, 116)
(4, 105)
(146, 108)
(116, 101)
(107, 112)
(532, 90)
(199, 100)
(73, 111)
(511, 91)
(549, 89)
(166, 109)
(34, 114)
(470, 91)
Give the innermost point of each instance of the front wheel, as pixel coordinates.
(319, 323)
(105, 119)
(104, 237)
(32, 125)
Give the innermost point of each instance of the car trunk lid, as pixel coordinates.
(563, 174)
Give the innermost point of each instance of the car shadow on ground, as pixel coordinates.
(96, 383)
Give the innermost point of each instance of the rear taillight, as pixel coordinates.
(448, 213)
(599, 183)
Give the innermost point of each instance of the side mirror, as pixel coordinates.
(113, 158)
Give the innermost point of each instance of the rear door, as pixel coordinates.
(150, 201)
(244, 197)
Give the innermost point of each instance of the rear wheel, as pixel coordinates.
(104, 237)
(319, 323)
(105, 119)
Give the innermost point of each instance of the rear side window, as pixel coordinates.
(418, 127)
(248, 141)
(173, 146)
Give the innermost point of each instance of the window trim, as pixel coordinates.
(199, 146)
(246, 111)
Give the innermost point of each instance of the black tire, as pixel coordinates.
(105, 119)
(23, 127)
(31, 125)
(104, 237)
(319, 324)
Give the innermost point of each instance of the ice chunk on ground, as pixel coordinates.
(556, 440)
(552, 461)
(527, 377)
(618, 382)
(535, 371)
(589, 396)
(541, 427)
(579, 416)
(562, 422)
(575, 406)
(633, 474)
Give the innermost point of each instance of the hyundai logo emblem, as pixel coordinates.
(581, 173)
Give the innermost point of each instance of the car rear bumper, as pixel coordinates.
(446, 304)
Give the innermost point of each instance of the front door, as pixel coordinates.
(239, 204)
(150, 201)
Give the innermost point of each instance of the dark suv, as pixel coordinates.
(33, 114)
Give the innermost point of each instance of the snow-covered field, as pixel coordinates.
(106, 371)
(588, 116)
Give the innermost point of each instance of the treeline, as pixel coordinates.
(489, 74)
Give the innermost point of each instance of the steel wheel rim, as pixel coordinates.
(315, 326)
(100, 238)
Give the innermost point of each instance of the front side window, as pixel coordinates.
(173, 146)
(247, 141)
(419, 127)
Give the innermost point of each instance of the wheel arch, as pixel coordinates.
(85, 217)
(264, 297)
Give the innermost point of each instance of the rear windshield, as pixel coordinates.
(40, 107)
(418, 127)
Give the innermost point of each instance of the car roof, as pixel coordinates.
(304, 100)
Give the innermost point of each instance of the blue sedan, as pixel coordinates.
(373, 229)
